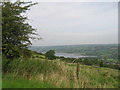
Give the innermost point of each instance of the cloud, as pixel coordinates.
(75, 23)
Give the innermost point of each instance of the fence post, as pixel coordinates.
(77, 71)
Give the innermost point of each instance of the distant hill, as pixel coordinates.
(100, 50)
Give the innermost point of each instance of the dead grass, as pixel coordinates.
(89, 77)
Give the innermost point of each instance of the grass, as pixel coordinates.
(93, 77)
(37, 73)
(11, 81)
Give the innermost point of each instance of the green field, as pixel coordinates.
(40, 73)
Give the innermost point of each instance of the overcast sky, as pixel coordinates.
(64, 23)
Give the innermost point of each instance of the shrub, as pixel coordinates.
(50, 54)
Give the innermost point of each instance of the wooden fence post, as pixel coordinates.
(77, 71)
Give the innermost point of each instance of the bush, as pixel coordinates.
(50, 54)
(101, 64)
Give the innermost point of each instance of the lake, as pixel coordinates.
(72, 55)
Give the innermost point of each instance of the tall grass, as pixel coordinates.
(31, 66)
(60, 74)
(11, 81)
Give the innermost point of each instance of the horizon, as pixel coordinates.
(75, 45)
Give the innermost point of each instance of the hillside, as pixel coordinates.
(37, 72)
(99, 50)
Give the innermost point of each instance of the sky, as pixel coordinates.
(71, 23)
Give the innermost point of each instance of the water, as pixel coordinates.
(72, 55)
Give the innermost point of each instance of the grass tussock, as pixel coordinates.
(55, 73)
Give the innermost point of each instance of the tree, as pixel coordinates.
(101, 64)
(16, 32)
(50, 54)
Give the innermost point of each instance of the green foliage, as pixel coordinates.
(92, 61)
(89, 77)
(12, 81)
(16, 32)
(50, 54)
(101, 64)
(54, 73)
(105, 51)
(27, 66)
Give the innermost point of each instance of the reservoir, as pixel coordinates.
(72, 55)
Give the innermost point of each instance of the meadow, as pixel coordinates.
(37, 72)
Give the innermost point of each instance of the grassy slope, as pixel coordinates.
(97, 77)
(63, 76)
(11, 81)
